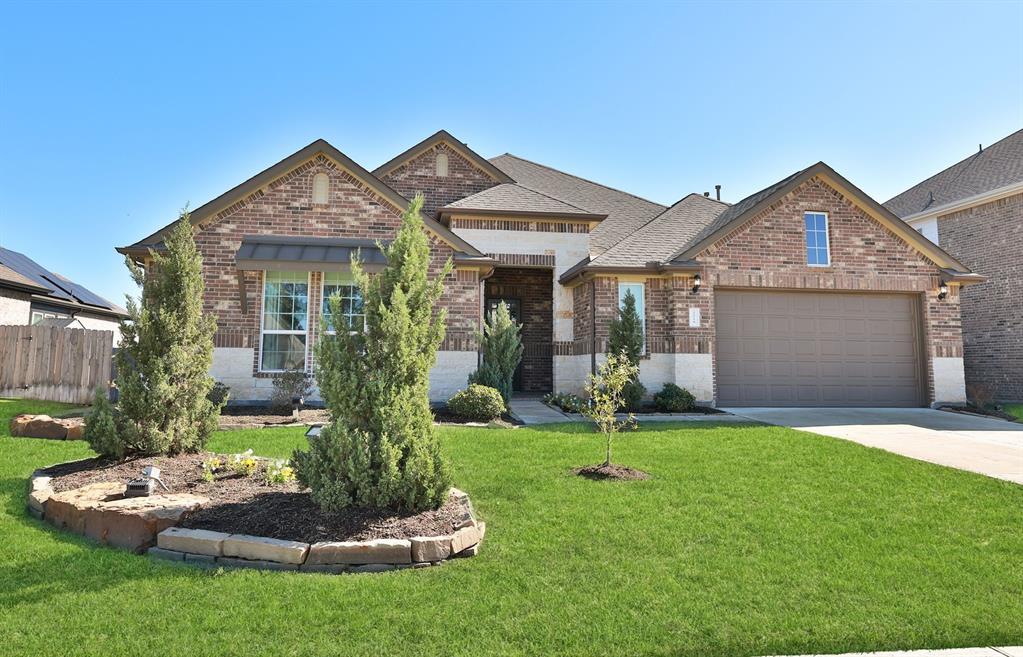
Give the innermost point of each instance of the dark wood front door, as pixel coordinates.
(515, 310)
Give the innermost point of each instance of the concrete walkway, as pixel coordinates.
(1009, 651)
(534, 411)
(987, 446)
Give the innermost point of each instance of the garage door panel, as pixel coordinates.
(813, 348)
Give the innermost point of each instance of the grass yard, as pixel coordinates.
(747, 541)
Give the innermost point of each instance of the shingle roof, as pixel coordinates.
(512, 197)
(665, 234)
(737, 210)
(625, 212)
(57, 288)
(12, 279)
(998, 165)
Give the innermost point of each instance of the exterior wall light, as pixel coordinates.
(942, 291)
(696, 283)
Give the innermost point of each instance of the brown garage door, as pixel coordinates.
(817, 349)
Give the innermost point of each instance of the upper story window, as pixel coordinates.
(638, 293)
(442, 164)
(342, 285)
(285, 321)
(818, 253)
(321, 188)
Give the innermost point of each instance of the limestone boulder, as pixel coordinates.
(430, 548)
(193, 541)
(258, 548)
(465, 537)
(74, 427)
(44, 426)
(381, 550)
(101, 512)
(18, 424)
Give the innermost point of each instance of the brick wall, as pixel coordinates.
(286, 208)
(419, 175)
(989, 240)
(534, 290)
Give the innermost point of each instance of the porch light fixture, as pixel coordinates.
(942, 291)
(696, 284)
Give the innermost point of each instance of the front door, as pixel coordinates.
(515, 310)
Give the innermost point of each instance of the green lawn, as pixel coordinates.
(1016, 410)
(747, 541)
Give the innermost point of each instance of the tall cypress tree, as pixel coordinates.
(165, 354)
(502, 351)
(380, 449)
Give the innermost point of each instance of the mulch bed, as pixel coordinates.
(254, 417)
(970, 409)
(247, 505)
(257, 417)
(613, 472)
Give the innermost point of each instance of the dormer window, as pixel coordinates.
(321, 188)
(442, 165)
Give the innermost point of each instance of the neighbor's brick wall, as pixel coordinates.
(769, 252)
(989, 240)
(286, 208)
(419, 175)
(534, 290)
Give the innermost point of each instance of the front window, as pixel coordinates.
(285, 317)
(353, 316)
(637, 290)
(818, 253)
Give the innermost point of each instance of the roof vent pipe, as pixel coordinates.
(717, 191)
(706, 194)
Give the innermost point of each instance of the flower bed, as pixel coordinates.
(233, 519)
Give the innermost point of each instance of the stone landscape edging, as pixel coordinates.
(201, 547)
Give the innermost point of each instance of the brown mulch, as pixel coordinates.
(246, 505)
(254, 417)
(613, 472)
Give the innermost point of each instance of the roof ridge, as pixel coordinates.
(952, 166)
(572, 175)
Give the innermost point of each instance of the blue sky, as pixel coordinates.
(115, 115)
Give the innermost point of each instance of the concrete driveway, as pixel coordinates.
(987, 446)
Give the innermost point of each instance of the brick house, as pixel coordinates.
(806, 293)
(974, 210)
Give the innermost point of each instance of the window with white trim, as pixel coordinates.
(40, 315)
(818, 251)
(285, 321)
(639, 293)
(342, 285)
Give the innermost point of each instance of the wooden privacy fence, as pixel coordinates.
(56, 364)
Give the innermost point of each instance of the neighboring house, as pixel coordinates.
(974, 210)
(807, 293)
(31, 294)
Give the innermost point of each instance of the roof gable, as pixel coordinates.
(995, 167)
(443, 136)
(754, 205)
(256, 184)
